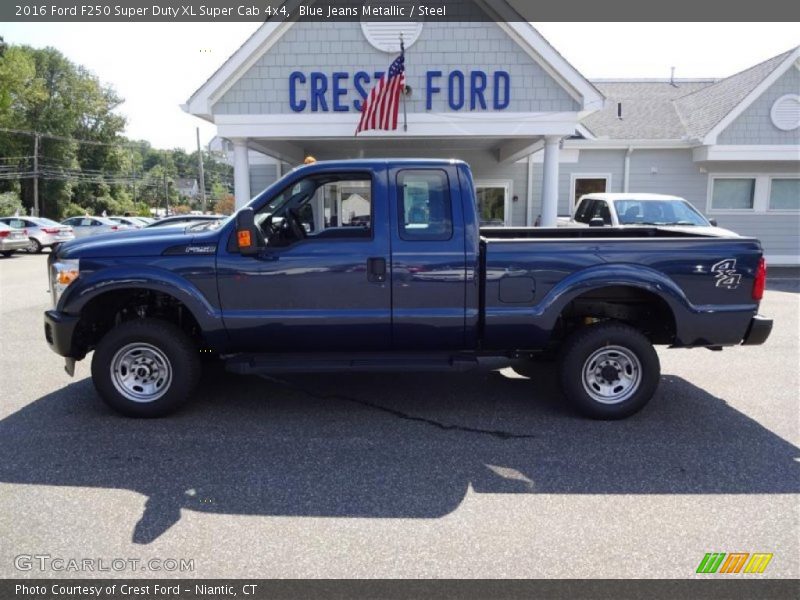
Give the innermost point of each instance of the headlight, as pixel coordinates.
(62, 273)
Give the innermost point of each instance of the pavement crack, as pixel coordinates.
(498, 433)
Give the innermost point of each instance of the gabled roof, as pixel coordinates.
(684, 109)
(704, 110)
(648, 109)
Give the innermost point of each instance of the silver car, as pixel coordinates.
(42, 233)
(133, 222)
(12, 239)
(85, 226)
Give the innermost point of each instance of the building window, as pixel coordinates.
(784, 194)
(733, 194)
(424, 208)
(493, 199)
(588, 184)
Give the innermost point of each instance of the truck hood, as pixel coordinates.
(136, 242)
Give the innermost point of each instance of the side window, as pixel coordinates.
(584, 212)
(345, 204)
(424, 208)
(19, 223)
(325, 206)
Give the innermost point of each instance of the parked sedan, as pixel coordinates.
(12, 239)
(185, 220)
(85, 226)
(133, 222)
(42, 233)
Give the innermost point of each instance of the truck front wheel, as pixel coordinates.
(145, 368)
(609, 371)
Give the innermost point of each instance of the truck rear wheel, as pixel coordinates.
(609, 371)
(145, 368)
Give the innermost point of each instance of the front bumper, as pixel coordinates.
(758, 331)
(59, 330)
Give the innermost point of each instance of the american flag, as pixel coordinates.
(379, 110)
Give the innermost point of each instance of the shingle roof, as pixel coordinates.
(687, 109)
(703, 109)
(648, 110)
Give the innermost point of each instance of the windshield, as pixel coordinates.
(658, 212)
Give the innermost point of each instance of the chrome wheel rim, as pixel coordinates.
(141, 372)
(33, 246)
(611, 374)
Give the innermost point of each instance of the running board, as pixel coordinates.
(249, 364)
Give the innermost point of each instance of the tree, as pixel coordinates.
(225, 205)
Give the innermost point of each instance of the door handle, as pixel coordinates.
(376, 269)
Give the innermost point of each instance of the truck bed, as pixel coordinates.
(505, 233)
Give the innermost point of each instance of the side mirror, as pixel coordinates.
(713, 222)
(246, 237)
(596, 222)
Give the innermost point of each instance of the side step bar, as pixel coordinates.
(251, 364)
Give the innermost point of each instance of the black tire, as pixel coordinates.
(36, 247)
(618, 347)
(7, 253)
(172, 347)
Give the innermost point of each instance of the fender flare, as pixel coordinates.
(78, 295)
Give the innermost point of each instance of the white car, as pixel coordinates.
(42, 233)
(12, 239)
(641, 210)
(84, 226)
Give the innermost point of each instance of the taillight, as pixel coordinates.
(4, 233)
(25, 231)
(114, 227)
(50, 229)
(760, 280)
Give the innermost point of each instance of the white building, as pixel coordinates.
(536, 132)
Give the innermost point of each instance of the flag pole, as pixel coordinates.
(403, 91)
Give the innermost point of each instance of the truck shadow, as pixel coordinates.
(391, 446)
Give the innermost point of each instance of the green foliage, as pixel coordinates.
(9, 203)
(42, 91)
(73, 210)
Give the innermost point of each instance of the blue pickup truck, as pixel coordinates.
(382, 265)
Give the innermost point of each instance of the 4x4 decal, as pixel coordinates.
(725, 272)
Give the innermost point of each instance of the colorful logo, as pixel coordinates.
(735, 562)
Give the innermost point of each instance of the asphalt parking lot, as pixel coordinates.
(483, 474)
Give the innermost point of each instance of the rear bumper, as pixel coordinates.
(59, 329)
(7, 245)
(758, 331)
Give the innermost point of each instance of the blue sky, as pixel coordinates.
(157, 66)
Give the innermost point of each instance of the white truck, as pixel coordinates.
(641, 210)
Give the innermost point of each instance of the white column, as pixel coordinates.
(241, 172)
(550, 181)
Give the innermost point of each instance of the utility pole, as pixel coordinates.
(200, 171)
(35, 174)
(166, 189)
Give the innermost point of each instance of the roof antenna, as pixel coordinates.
(672, 77)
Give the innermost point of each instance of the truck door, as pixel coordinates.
(428, 259)
(321, 282)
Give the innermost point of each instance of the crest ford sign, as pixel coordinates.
(342, 92)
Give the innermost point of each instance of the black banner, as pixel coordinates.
(396, 589)
(393, 10)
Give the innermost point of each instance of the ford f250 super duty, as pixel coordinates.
(382, 265)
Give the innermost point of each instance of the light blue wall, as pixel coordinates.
(754, 125)
(315, 46)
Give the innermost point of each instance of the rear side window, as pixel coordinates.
(584, 212)
(424, 207)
